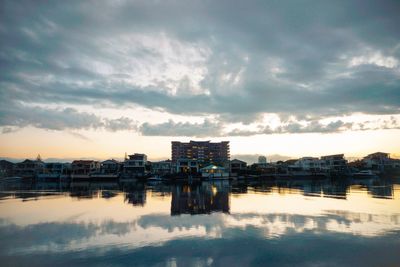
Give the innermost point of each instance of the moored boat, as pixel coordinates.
(11, 179)
(155, 179)
(364, 174)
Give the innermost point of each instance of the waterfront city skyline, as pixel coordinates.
(317, 79)
(200, 133)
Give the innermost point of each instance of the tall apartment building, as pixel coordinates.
(202, 151)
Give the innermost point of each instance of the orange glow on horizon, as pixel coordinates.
(29, 142)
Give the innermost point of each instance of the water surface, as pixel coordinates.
(249, 223)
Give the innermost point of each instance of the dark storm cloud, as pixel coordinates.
(308, 58)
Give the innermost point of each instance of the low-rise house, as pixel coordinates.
(356, 164)
(110, 166)
(84, 167)
(161, 167)
(335, 163)
(55, 170)
(135, 165)
(310, 164)
(380, 161)
(284, 167)
(187, 166)
(237, 166)
(6, 168)
(263, 168)
(29, 168)
(213, 171)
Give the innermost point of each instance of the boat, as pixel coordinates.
(80, 177)
(102, 176)
(155, 179)
(11, 179)
(217, 176)
(48, 176)
(364, 174)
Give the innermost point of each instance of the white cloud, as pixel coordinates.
(375, 58)
(157, 60)
(200, 59)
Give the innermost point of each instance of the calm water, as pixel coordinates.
(302, 223)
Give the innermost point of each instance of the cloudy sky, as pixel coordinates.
(101, 78)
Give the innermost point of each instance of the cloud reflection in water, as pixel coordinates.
(219, 233)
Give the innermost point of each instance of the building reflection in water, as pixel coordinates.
(83, 189)
(385, 191)
(335, 190)
(339, 189)
(134, 193)
(200, 199)
(267, 220)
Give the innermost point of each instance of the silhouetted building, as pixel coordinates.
(161, 167)
(237, 166)
(29, 168)
(135, 165)
(310, 164)
(110, 166)
(187, 166)
(213, 171)
(380, 161)
(335, 163)
(6, 168)
(85, 167)
(55, 170)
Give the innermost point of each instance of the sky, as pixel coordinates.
(81, 79)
